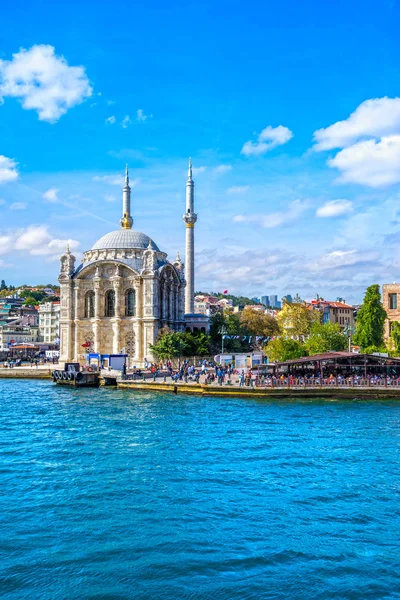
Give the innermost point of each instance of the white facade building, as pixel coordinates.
(49, 322)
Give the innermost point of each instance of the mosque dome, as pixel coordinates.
(124, 239)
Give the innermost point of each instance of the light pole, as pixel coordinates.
(348, 330)
(222, 331)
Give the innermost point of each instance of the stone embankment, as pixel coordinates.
(41, 372)
(292, 391)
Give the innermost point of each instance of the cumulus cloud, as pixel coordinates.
(37, 240)
(372, 119)
(44, 82)
(370, 162)
(335, 208)
(370, 144)
(18, 206)
(238, 189)
(8, 169)
(51, 195)
(268, 139)
(275, 219)
(110, 120)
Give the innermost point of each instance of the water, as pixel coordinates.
(104, 495)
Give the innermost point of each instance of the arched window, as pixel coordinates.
(89, 305)
(110, 303)
(129, 303)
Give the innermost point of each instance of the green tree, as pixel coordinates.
(370, 320)
(281, 349)
(173, 344)
(295, 320)
(30, 301)
(325, 337)
(230, 323)
(395, 336)
(3, 285)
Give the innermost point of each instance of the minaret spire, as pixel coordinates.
(126, 220)
(190, 219)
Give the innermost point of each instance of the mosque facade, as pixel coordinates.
(125, 290)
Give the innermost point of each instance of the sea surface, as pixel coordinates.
(108, 494)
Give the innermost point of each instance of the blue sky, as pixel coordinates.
(290, 110)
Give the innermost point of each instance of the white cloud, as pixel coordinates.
(372, 119)
(8, 169)
(18, 206)
(370, 162)
(111, 120)
(126, 121)
(197, 170)
(276, 219)
(110, 102)
(238, 189)
(116, 180)
(43, 82)
(110, 198)
(335, 208)
(110, 179)
(37, 240)
(5, 244)
(141, 117)
(51, 195)
(223, 169)
(269, 138)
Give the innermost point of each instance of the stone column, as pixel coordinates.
(117, 318)
(97, 315)
(189, 292)
(76, 320)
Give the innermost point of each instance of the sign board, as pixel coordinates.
(52, 354)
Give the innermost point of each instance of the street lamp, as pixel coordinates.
(348, 330)
(222, 331)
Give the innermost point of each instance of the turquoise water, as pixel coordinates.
(104, 495)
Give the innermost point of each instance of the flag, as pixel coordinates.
(225, 291)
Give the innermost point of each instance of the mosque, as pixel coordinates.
(125, 290)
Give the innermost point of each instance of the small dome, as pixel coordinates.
(124, 239)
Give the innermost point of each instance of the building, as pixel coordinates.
(49, 322)
(18, 332)
(273, 302)
(391, 303)
(288, 299)
(335, 312)
(125, 290)
(265, 300)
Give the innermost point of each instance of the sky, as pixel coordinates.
(290, 111)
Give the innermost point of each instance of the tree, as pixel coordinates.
(395, 336)
(325, 337)
(258, 323)
(171, 344)
(370, 319)
(281, 349)
(3, 285)
(295, 320)
(30, 301)
(230, 323)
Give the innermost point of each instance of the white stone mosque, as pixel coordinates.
(125, 290)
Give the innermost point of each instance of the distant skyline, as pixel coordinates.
(291, 114)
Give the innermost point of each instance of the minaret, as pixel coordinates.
(190, 219)
(126, 220)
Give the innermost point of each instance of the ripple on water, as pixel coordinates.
(105, 495)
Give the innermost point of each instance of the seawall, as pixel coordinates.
(345, 392)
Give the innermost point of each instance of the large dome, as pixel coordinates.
(123, 239)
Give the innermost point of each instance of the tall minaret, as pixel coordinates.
(126, 220)
(190, 219)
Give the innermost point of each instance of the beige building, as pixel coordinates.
(391, 303)
(120, 296)
(49, 322)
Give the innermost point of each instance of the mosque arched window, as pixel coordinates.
(130, 303)
(110, 303)
(89, 305)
